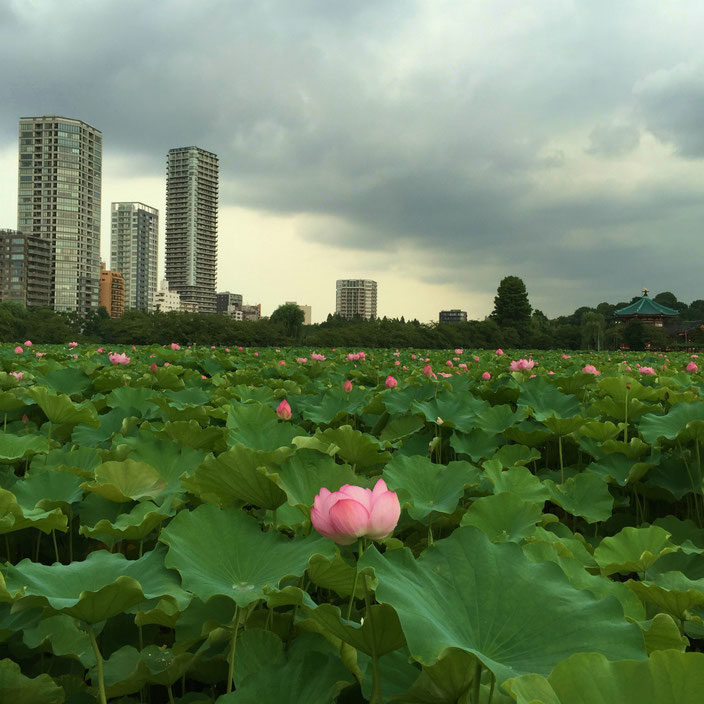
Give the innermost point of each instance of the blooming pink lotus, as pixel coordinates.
(347, 386)
(17, 375)
(486, 376)
(121, 358)
(284, 410)
(475, 358)
(692, 367)
(459, 350)
(449, 363)
(282, 363)
(499, 351)
(100, 349)
(72, 344)
(646, 370)
(175, 346)
(317, 357)
(153, 367)
(354, 512)
(390, 382)
(27, 343)
(591, 369)
(521, 364)
(19, 349)
(302, 360)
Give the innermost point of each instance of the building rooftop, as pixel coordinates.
(646, 307)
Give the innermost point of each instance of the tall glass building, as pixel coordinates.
(192, 225)
(60, 166)
(134, 248)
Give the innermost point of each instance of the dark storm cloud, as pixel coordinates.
(454, 130)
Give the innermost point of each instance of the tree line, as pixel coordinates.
(513, 323)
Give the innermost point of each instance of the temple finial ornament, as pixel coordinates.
(645, 291)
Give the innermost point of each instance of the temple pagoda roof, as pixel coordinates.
(646, 307)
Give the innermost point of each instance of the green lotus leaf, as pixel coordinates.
(305, 472)
(401, 427)
(401, 400)
(354, 447)
(528, 433)
(424, 487)
(257, 649)
(496, 419)
(671, 592)
(517, 480)
(601, 430)
(224, 552)
(79, 460)
(546, 401)
(234, 477)
(126, 481)
(133, 398)
(191, 434)
(662, 633)
(611, 408)
(324, 408)
(689, 537)
(18, 689)
(101, 586)
(14, 447)
(652, 427)
(503, 517)
(14, 517)
(466, 592)
(48, 490)
(458, 411)
(512, 455)
(476, 444)
(12, 621)
(60, 410)
(312, 678)
(136, 524)
(109, 424)
(10, 400)
(335, 575)
(589, 678)
(383, 633)
(672, 474)
(61, 636)
(262, 394)
(185, 398)
(632, 550)
(619, 469)
(67, 380)
(585, 495)
(445, 682)
(257, 427)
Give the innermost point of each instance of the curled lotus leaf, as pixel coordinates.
(126, 481)
(19, 689)
(633, 550)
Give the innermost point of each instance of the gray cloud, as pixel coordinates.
(613, 140)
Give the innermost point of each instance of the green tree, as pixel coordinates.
(634, 335)
(593, 327)
(290, 317)
(511, 306)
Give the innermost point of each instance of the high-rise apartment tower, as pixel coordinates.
(355, 298)
(192, 225)
(134, 241)
(60, 165)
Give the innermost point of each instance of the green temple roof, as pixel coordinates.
(646, 307)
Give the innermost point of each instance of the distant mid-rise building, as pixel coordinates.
(189, 307)
(356, 298)
(307, 312)
(134, 248)
(59, 195)
(226, 301)
(25, 268)
(251, 312)
(166, 300)
(112, 292)
(192, 225)
(455, 315)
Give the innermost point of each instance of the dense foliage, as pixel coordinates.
(158, 546)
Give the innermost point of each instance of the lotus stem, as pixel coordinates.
(625, 416)
(562, 466)
(376, 697)
(99, 663)
(491, 686)
(233, 646)
(477, 682)
(356, 577)
(56, 547)
(171, 694)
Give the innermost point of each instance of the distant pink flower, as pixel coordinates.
(521, 364)
(284, 410)
(499, 351)
(75, 356)
(428, 371)
(153, 367)
(133, 347)
(167, 364)
(19, 349)
(239, 348)
(692, 367)
(25, 419)
(532, 376)
(414, 356)
(591, 369)
(462, 365)
(202, 376)
(227, 349)
(449, 363)
(476, 359)
(282, 363)
(459, 350)
(302, 360)
(646, 370)
(396, 353)
(565, 356)
(100, 349)
(277, 351)
(317, 357)
(17, 375)
(175, 346)
(212, 347)
(40, 354)
(27, 343)
(694, 356)
(73, 344)
(347, 386)
(121, 358)
(444, 375)
(256, 354)
(390, 382)
(551, 372)
(397, 363)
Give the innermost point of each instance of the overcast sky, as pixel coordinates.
(434, 146)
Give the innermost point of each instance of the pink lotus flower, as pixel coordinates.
(414, 356)
(212, 347)
(449, 363)
(694, 356)
(317, 357)
(100, 349)
(153, 368)
(462, 365)
(521, 364)
(459, 350)
(27, 343)
(134, 348)
(591, 369)
(284, 410)
(551, 372)
(227, 349)
(565, 356)
(256, 354)
(646, 370)
(396, 353)
(302, 360)
(499, 351)
(692, 367)
(17, 375)
(354, 512)
(282, 363)
(428, 371)
(347, 386)
(486, 376)
(444, 375)
(390, 382)
(19, 349)
(167, 364)
(75, 356)
(397, 363)
(40, 354)
(476, 359)
(121, 358)
(175, 346)
(72, 344)
(239, 348)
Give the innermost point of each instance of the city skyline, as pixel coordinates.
(432, 148)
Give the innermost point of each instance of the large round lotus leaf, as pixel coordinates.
(401, 399)
(601, 430)
(14, 517)
(585, 495)
(136, 524)
(14, 447)
(323, 408)
(662, 633)
(126, 481)
(667, 677)
(466, 592)
(516, 480)
(234, 477)
(257, 427)
(191, 434)
(59, 409)
(48, 490)
(512, 455)
(632, 549)
(335, 575)
(224, 552)
(18, 689)
(256, 649)
(401, 427)
(563, 426)
(101, 586)
(619, 469)
(132, 397)
(61, 636)
(476, 444)
(303, 474)
(445, 682)
(312, 678)
(669, 426)
(504, 517)
(82, 461)
(357, 448)
(10, 401)
(671, 592)
(546, 401)
(461, 411)
(424, 487)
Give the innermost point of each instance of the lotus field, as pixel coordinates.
(199, 525)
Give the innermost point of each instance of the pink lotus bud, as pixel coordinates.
(428, 371)
(284, 410)
(153, 367)
(476, 359)
(354, 512)
(133, 347)
(239, 348)
(551, 372)
(347, 386)
(72, 344)
(646, 370)
(212, 347)
(175, 346)
(227, 349)
(75, 356)
(390, 382)
(414, 356)
(591, 369)
(397, 363)
(19, 349)
(449, 363)
(256, 354)
(99, 350)
(282, 363)
(486, 376)
(202, 376)
(27, 343)
(499, 351)
(459, 350)
(692, 367)
(167, 364)
(565, 356)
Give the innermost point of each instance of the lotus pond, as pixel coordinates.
(157, 544)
